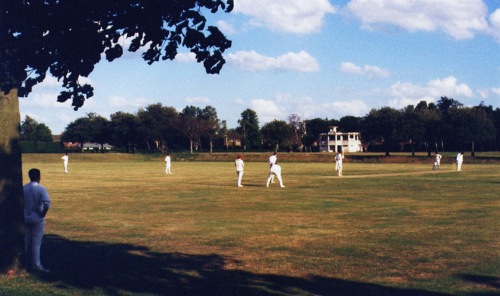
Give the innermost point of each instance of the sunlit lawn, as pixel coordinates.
(120, 226)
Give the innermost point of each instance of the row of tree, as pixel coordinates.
(424, 127)
(155, 127)
(447, 125)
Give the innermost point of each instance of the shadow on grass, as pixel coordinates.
(490, 281)
(124, 268)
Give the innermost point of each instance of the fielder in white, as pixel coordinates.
(65, 158)
(338, 163)
(168, 164)
(275, 170)
(272, 161)
(437, 161)
(460, 160)
(239, 169)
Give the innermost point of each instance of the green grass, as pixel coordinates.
(120, 226)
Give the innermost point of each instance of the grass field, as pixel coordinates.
(120, 226)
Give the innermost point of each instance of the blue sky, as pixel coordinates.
(314, 58)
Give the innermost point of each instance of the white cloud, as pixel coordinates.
(226, 27)
(449, 87)
(197, 100)
(370, 71)
(185, 57)
(307, 108)
(408, 93)
(285, 104)
(459, 18)
(484, 93)
(400, 103)
(49, 82)
(496, 90)
(65, 118)
(495, 25)
(376, 72)
(43, 99)
(344, 108)
(116, 101)
(35, 116)
(239, 101)
(351, 68)
(267, 110)
(295, 16)
(252, 61)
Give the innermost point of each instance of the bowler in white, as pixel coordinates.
(275, 170)
(272, 160)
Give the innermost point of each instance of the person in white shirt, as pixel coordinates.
(275, 170)
(239, 169)
(338, 163)
(168, 164)
(36, 205)
(437, 161)
(460, 160)
(272, 161)
(65, 158)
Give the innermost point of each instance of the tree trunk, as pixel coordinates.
(211, 146)
(472, 153)
(11, 184)
(191, 146)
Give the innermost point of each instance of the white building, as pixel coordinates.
(336, 141)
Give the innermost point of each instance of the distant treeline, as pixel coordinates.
(444, 126)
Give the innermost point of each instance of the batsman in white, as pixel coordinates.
(437, 161)
(275, 170)
(338, 163)
(460, 160)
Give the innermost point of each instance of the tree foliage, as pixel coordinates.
(211, 124)
(248, 128)
(298, 129)
(123, 131)
(67, 38)
(468, 126)
(276, 132)
(190, 125)
(313, 128)
(382, 125)
(33, 131)
(156, 124)
(78, 131)
(349, 124)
